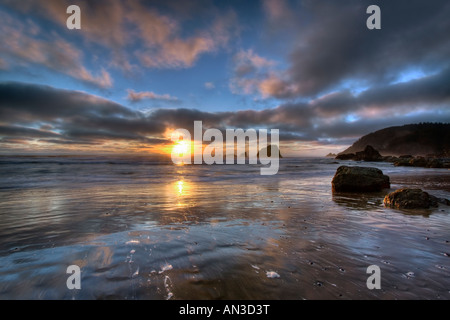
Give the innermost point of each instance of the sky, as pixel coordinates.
(137, 70)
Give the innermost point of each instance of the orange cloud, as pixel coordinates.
(51, 51)
(275, 86)
(138, 96)
(248, 57)
(117, 25)
(164, 47)
(256, 74)
(277, 10)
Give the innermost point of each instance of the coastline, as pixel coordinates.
(162, 232)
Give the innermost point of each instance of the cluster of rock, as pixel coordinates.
(368, 179)
(424, 138)
(425, 162)
(370, 154)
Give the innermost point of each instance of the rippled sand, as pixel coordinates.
(141, 231)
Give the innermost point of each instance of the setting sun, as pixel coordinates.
(181, 148)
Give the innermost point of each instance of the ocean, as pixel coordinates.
(144, 229)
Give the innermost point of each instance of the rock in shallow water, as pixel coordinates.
(410, 199)
(359, 179)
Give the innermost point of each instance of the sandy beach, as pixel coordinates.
(144, 230)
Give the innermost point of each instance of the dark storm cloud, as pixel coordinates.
(334, 104)
(24, 102)
(73, 116)
(429, 92)
(353, 130)
(67, 142)
(14, 141)
(336, 46)
(18, 131)
(184, 118)
(421, 100)
(434, 89)
(343, 114)
(62, 117)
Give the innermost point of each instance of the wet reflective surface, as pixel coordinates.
(145, 230)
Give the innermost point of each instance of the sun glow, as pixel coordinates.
(180, 192)
(180, 185)
(181, 148)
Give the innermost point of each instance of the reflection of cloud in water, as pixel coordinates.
(221, 229)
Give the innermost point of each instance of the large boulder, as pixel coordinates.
(410, 199)
(359, 179)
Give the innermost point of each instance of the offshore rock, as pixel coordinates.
(359, 179)
(406, 198)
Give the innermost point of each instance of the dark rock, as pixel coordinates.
(359, 179)
(435, 163)
(418, 162)
(410, 199)
(369, 154)
(389, 159)
(421, 162)
(347, 156)
(402, 162)
(407, 156)
(444, 201)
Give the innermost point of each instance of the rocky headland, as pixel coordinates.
(416, 145)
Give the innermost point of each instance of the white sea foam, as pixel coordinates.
(133, 242)
(165, 267)
(272, 274)
(136, 273)
(167, 285)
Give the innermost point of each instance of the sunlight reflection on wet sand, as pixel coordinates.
(182, 237)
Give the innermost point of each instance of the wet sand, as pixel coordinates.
(166, 232)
